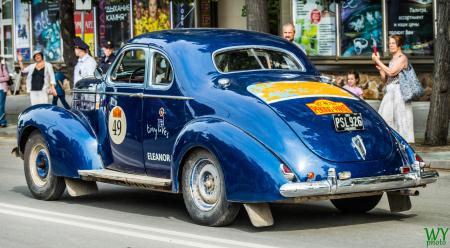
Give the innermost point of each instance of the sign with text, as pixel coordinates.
(413, 20)
(114, 22)
(315, 26)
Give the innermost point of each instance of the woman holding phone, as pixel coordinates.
(397, 113)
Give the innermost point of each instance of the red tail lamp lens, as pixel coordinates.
(287, 173)
(405, 170)
(418, 158)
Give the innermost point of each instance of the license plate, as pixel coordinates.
(348, 122)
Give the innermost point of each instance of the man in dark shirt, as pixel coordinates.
(108, 58)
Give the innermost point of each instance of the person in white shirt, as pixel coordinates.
(86, 64)
(40, 79)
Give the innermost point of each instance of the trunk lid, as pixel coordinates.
(308, 108)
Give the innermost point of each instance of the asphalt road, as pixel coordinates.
(131, 218)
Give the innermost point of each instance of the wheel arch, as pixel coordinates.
(71, 142)
(251, 171)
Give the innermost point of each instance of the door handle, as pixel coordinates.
(138, 95)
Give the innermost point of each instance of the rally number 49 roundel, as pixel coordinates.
(226, 118)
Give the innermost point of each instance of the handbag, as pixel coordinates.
(10, 81)
(410, 86)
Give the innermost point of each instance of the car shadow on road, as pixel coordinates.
(317, 215)
(287, 217)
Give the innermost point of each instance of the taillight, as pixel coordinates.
(287, 173)
(405, 170)
(420, 161)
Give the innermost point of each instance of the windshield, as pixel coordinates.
(245, 59)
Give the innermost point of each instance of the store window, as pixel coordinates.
(6, 9)
(315, 26)
(7, 38)
(414, 21)
(46, 29)
(361, 22)
(114, 22)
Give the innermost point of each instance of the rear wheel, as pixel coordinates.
(204, 191)
(42, 183)
(358, 204)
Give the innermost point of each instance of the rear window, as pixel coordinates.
(246, 59)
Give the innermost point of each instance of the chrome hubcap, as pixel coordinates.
(205, 184)
(39, 165)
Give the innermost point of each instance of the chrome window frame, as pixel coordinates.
(152, 85)
(119, 58)
(303, 68)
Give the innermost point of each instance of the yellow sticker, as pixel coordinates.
(272, 92)
(324, 107)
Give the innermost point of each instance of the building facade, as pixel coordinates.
(337, 35)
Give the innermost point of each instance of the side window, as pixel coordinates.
(131, 67)
(162, 70)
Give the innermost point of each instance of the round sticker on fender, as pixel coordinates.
(117, 125)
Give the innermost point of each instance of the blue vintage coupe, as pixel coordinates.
(225, 118)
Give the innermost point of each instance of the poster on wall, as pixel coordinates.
(113, 22)
(361, 22)
(413, 20)
(88, 27)
(315, 26)
(150, 15)
(22, 29)
(46, 28)
(183, 14)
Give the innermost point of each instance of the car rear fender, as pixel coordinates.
(252, 173)
(71, 141)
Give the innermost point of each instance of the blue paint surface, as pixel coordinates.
(249, 137)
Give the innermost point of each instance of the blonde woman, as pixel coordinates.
(397, 113)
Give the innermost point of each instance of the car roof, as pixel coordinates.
(211, 39)
(187, 45)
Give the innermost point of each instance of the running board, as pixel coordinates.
(126, 179)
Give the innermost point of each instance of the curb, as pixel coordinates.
(9, 131)
(440, 164)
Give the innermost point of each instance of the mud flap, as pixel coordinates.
(80, 188)
(398, 202)
(259, 214)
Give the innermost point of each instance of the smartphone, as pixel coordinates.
(375, 50)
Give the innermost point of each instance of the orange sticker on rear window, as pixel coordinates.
(324, 107)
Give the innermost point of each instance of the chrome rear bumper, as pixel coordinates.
(333, 186)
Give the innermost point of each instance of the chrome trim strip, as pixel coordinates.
(140, 95)
(83, 91)
(358, 185)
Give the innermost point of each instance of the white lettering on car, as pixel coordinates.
(153, 156)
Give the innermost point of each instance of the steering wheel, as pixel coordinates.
(135, 71)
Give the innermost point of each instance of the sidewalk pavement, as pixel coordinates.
(436, 157)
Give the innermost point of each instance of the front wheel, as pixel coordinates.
(357, 204)
(42, 183)
(203, 189)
